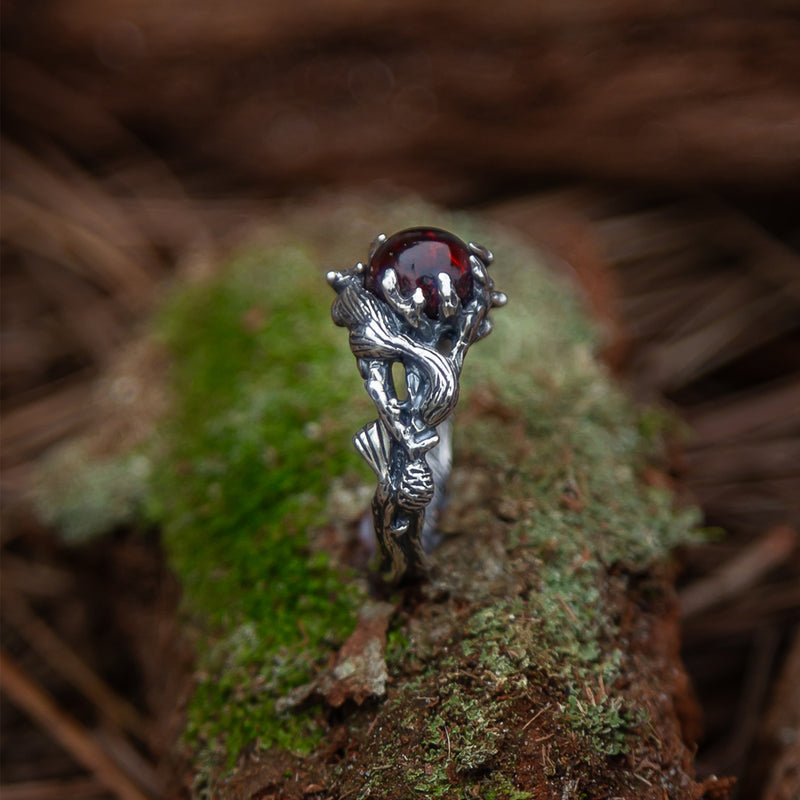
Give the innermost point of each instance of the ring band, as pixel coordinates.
(421, 300)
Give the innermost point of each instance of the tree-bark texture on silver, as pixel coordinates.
(408, 445)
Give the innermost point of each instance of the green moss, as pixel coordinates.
(503, 789)
(261, 427)
(573, 465)
(587, 509)
(603, 722)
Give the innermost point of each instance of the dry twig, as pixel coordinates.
(74, 738)
(61, 657)
(741, 572)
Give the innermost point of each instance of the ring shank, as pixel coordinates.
(440, 460)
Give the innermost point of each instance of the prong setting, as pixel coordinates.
(409, 307)
(450, 302)
(376, 243)
(483, 253)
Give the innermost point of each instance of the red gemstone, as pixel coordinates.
(418, 256)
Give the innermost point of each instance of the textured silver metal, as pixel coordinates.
(409, 445)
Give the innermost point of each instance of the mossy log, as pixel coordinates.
(540, 658)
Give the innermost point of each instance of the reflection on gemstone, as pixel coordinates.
(418, 256)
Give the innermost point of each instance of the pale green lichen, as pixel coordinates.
(83, 495)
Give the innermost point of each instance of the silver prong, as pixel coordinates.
(483, 253)
(450, 301)
(408, 307)
(376, 243)
(479, 270)
(359, 268)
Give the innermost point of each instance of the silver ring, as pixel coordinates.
(421, 300)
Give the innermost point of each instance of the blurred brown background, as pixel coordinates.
(653, 147)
